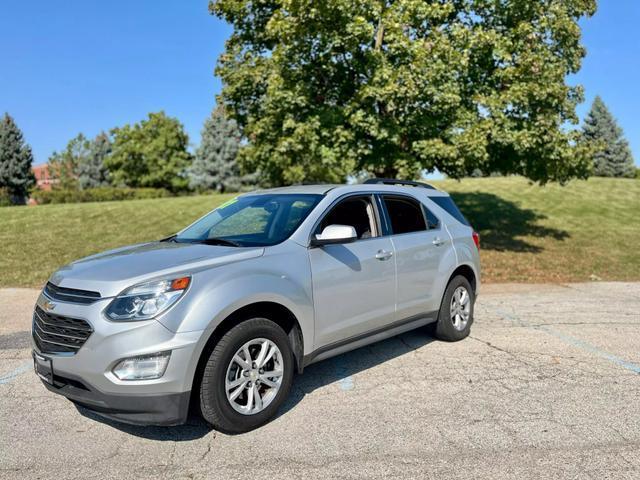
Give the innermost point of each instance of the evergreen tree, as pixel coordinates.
(64, 165)
(215, 166)
(613, 158)
(16, 177)
(92, 171)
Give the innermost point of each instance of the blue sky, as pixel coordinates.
(86, 66)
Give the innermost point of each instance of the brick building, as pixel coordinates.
(43, 177)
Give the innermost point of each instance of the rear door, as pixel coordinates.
(420, 243)
(353, 283)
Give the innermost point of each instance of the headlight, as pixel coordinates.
(143, 367)
(147, 300)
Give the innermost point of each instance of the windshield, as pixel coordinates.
(252, 220)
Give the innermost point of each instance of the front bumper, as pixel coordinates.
(154, 409)
(86, 377)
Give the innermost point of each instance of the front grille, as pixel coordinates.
(57, 334)
(70, 295)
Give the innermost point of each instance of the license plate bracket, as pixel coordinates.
(43, 367)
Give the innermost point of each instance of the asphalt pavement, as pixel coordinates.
(547, 386)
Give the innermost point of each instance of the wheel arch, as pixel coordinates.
(274, 311)
(467, 272)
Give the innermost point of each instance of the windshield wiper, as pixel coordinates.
(172, 238)
(218, 241)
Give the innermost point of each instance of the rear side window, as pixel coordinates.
(406, 215)
(446, 203)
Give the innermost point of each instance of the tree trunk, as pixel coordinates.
(388, 171)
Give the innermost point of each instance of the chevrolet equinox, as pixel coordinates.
(221, 314)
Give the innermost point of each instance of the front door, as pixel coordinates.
(353, 283)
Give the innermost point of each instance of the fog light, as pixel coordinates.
(143, 367)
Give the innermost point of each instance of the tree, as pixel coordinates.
(64, 165)
(82, 163)
(16, 158)
(214, 165)
(613, 157)
(326, 89)
(152, 153)
(92, 171)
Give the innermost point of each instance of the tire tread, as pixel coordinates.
(444, 329)
(210, 410)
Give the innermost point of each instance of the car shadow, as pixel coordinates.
(502, 224)
(343, 255)
(338, 370)
(194, 428)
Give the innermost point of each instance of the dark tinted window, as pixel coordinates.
(432, 220)
(406, 215)
(446, 203)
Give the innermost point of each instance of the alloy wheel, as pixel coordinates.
(254, 376)
(460, 308)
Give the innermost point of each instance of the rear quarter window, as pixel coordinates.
(447, 204)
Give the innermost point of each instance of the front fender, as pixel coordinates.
(212, 308)
(216, 294)
(208, 308)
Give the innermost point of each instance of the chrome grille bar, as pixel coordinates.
(56, 333)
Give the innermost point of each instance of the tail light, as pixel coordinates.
(476, 239)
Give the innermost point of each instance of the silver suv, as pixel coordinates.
(220, 315)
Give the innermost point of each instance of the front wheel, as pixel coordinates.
(456, 311)
(247, 376)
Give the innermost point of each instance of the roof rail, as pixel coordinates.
(394, 181)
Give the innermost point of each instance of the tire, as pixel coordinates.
(446, 328)
(223, 370)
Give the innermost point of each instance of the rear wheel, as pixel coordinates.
(247, 376)
(456, 311)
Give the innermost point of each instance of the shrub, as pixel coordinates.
(100, 194)
(5, 198)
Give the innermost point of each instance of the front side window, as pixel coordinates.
(252, 220)
(357, 212)
(405, 215)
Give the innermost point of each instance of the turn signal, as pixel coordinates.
(180, 283)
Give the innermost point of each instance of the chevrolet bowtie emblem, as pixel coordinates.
(48, 306)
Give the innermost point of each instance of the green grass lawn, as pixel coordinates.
(586, 230)
(35, 241)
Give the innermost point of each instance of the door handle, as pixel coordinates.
(438, 241)
(384, 255)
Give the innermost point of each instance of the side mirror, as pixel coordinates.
(333, 234)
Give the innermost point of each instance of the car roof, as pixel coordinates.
(319, 189)
(323, 189)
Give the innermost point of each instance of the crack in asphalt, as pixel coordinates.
(574, 341)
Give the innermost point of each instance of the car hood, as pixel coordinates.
(111, 272)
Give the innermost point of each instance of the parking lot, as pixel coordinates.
(547, 386)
